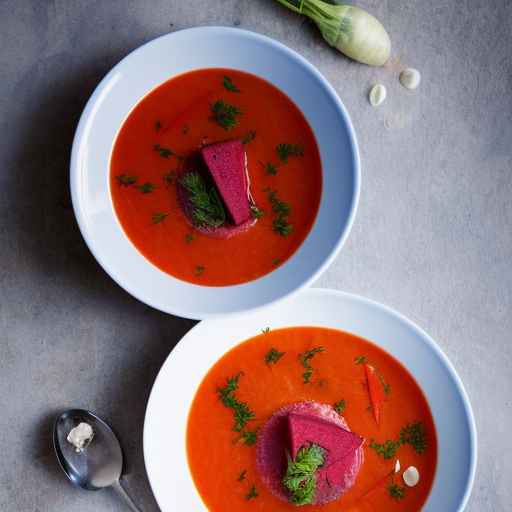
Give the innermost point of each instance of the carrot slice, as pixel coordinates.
(375, 391)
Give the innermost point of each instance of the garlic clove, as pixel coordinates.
(411, 476)
(410, 78)
(377, 95)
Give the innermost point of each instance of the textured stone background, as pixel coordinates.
(432, 238)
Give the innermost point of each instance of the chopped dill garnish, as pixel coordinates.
(412, 434)
(242, 412)
(189, 238)
(126, 180)
(166, 152)
(300, 477)
(387, 450)
(284, 151)
(146, 188)
(396, 491)
(339, 406)
(256, 212)
(276, 261)
(249, 437)
(360, 360)
(253, 493)
(266, 330)
(305, 358)
(199, 270)
(158, 217)
(208, 208)
(225, 115)
(415, 435)
(170, 177)
(158, 125)
(249, 137)
(282, 210)
(242, 475)
(273, 356)
(270, 168)
(229, 85)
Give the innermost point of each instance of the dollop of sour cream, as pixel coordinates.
(80, 436)
(411, 476)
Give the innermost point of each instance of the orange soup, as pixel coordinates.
(174, 122)
(365, 389)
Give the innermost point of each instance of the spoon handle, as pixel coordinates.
(121, 492)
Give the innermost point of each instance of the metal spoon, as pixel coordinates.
(100, 464)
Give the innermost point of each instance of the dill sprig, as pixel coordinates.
(225, 115)
(253, 493)
(126, 180)
(229, 85)
(412, 434)
(158, 217)
(282, 211)
(360, 360)
(242, 412)
(300, 477)
(249, 137)
(397, 492)
(208, 209)
(146, 188)
(199, 270)
(305, 358)
(270, 168)
(166, 152)
(273, 356)
(339, 406)
(242, 474)
(249, 437)
(256, 212)
(284, 151)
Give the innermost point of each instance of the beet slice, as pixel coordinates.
(305, 429)
(335, 478)
(226, 162)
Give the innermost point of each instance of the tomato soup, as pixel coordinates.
(309, 365)
(190, 112)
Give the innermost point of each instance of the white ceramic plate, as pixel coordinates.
(132, 79)
(180, 376)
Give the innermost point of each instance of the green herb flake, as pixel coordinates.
(276, 262)
(189, 238)
(266, 330)
(339, 406)
(146, 188)
(273, 356)
(300, 477)
(414, 434)
(360, 360)
(249, 437)
(225, 115)
(284, 151)
(282, 227)
(387, 450)
(166, 152)
(158, 217)
(170, 177)
(199, 270)
(253, 493)
(305, 358)
(396, 491)
(270, 168)
(242, 475)
(126, 180)
(241, 411)
(256, 212)
(282, 211)
(229, 85)
(249, 137)
(208, 209)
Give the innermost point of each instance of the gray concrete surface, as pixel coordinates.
(432, 238)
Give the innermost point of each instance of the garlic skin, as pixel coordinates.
(377, 95)
(410, 78)
(411, 476)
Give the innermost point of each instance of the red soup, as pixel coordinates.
(311, 416)
(175, 130)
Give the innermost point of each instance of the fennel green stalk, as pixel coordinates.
(351, 30)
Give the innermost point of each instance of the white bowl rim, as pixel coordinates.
(422, 335)
(88, 111)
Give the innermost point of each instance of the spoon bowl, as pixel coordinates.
(100, 463)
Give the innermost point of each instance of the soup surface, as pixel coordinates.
(174, 122)
(275, 373)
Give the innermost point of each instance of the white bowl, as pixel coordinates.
(139, 73)
(174, 389)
